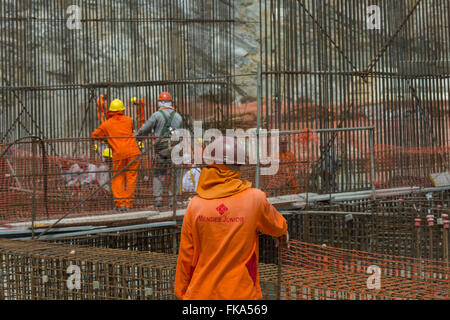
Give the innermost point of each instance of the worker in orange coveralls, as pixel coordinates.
(139, 104)
(287, 166)
(124, 151)
(102, 105)
(218, 255)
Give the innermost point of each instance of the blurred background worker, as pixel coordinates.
(145, 164)
(218, 255)
(104, 170)
(190, 180)
(88, 174)
(162, 123)
(191, 176)
(287, 167)
(124, 152)
(70, 171)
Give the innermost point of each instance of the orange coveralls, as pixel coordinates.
(218, 256)
(124, 150)
(102, 107)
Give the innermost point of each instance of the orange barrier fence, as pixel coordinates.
(397, 166)
(311, 271)
(48, 178)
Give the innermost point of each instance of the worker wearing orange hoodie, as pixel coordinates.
(124, 152)
(218, 256)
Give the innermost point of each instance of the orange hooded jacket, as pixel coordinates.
(118, 125)
(218, 256)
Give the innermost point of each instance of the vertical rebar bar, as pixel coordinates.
(174, 179)
(34, 162)
(445, 243)
(279, 264)
(258, 124)
(372, 162)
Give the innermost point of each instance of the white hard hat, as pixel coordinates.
(226, 150)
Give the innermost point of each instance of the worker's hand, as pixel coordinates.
(282, 241)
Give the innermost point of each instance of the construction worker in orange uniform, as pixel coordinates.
(139, 104)
(124, 151)
(287, 166)
(218, 255)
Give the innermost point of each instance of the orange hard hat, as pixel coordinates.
(165, 96)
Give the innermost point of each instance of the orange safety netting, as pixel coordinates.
(396, 166)
(311, 271)
(59, 183)
(69, 170)
(48, 186)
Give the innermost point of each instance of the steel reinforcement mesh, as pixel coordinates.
(356, 63)
(413, 226)
(40, 270)
(316, 272)
(161, 239)
(48, 178)
(59, 58)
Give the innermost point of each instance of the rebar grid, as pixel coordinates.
(387, 226)
(163, 240)
(321, 272)
(65, 173)
(42, 273)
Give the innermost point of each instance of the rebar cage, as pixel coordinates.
(59, 57)
(346, 63)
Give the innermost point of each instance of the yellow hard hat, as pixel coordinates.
(95, 147)
(133, 100)
(140, 145)
(116, 105)
(107, 153)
